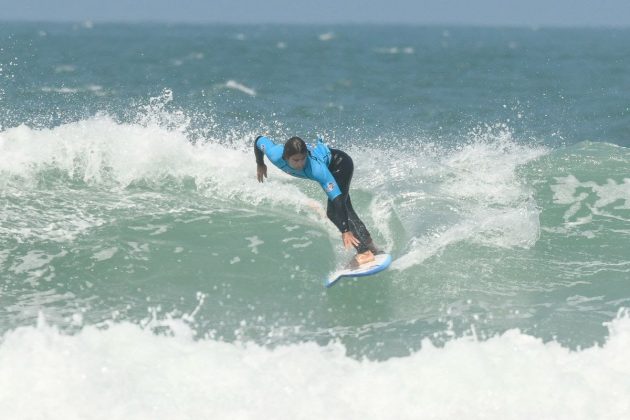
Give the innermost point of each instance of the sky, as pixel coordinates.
(432, 12)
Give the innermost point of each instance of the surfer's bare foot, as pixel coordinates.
(364, 257)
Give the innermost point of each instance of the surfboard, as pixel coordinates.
(380, 263)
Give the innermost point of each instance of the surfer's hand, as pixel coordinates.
(261, 172)
(349, 239)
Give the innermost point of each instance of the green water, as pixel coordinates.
(492, 164)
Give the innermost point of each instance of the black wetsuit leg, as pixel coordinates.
(342, 168)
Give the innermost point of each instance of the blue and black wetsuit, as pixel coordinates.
(333, 170)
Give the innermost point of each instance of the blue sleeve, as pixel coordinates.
(270, 149)
(322, 175)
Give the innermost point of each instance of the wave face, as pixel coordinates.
(133, 230)
(104, 218)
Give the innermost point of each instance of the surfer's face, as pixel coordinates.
(297, 161)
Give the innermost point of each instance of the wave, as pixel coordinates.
(487, 227)
(439, 196)
(101, 151)
(418, 204)
(135, 373)
(472, 193)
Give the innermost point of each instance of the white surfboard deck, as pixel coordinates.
(380, 263)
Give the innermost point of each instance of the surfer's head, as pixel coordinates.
(295, 153)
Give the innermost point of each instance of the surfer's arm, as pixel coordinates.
(265, 146)
(338, 200)
(338, 204)
(341, 221)
(260, 155)
(261, 168)
(341, 214)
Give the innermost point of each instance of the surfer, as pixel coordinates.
(332, 169)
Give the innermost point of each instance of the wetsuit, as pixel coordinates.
(333, 170)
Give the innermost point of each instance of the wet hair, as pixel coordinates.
(293, 146)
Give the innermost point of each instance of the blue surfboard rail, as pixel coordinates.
(381, 262)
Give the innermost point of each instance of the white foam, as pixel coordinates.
(105, 254)
(612, 194)
(35, 264)
(34, 259)
(305, 241)
(395, 50)
(231, 84)
(503, 228)
(390, 50)
(100, 150)
(35, 218)
(65, 90)
(254, 242)
(4, 254)
(443, 197)
(328, 36)
(479, 178)
(125, 372)
(155, 150)
(486, 168)
(95, 89)
(381, 211)
(65, 68)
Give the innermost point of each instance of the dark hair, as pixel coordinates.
(293, 146)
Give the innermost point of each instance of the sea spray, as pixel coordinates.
(137, 374)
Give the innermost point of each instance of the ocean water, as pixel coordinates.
(146, 274)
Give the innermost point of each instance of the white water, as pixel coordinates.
(473, 193)
(476, 184)
(570, 191)
(102, 152)
(125, 372)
